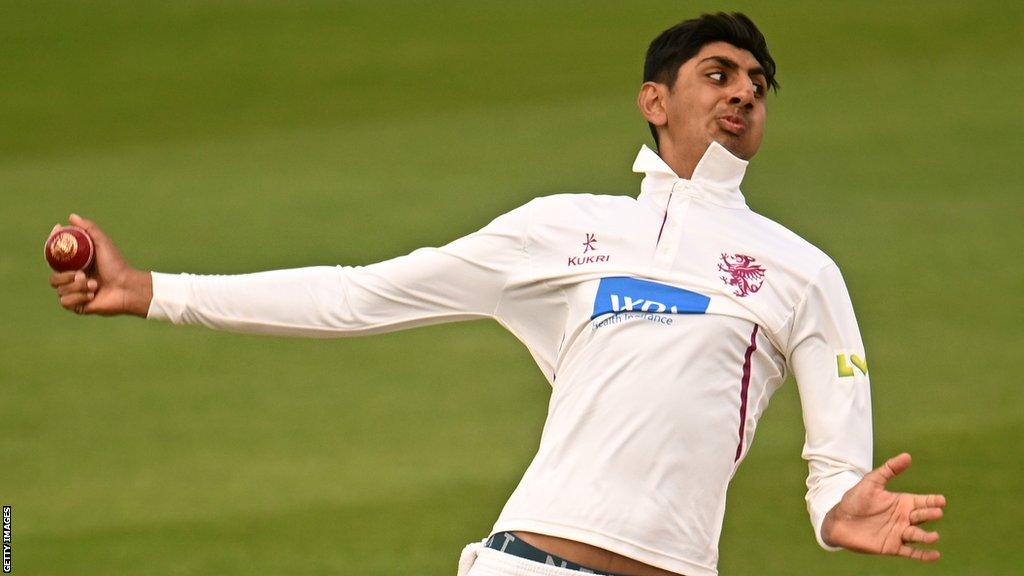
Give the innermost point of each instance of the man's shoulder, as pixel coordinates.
(578, 206)
(581, 200)
(785, 241)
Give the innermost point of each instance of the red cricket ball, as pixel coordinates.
(69, 248)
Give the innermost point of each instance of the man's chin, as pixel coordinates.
(736, 147)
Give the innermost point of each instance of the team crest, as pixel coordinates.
(743, 274)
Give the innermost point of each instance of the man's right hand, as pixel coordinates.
(110, 286)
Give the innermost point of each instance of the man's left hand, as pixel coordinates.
(872, 520)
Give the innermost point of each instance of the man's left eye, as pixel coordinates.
(758, 89)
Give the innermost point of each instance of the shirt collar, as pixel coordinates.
(716, 178)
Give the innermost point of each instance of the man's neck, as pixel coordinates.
(682, 161)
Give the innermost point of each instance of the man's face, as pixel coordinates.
(719, 95)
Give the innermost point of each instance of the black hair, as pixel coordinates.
(674, 46)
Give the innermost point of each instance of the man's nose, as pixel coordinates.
(743, 95)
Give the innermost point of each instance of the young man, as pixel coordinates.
(663, 324)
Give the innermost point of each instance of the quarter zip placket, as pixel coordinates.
(675, 211)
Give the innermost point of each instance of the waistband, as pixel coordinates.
(509, 543)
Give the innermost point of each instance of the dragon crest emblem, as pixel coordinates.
(744, 275)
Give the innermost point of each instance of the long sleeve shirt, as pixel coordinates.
(663, 323)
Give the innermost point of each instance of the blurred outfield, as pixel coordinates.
(240, 136)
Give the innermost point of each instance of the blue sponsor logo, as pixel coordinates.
(622, 294)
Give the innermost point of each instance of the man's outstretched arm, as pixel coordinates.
(461, 280)
(111, 287)
(872, 520)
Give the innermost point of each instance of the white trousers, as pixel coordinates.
(479, 560)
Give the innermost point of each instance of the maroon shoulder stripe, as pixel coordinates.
(743, 389)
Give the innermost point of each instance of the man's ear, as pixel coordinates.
(651, 102)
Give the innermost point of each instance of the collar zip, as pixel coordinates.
(715, 179)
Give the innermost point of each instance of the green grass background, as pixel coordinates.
(229, 136)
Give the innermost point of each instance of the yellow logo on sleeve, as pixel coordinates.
(844, 361)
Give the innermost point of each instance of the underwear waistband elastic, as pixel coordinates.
(511, 544)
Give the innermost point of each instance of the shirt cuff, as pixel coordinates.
(170, 297)
(825, 498)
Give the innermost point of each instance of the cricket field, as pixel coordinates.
(235, 136)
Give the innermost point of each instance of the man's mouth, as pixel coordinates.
(733, 124)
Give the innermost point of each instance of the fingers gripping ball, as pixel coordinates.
(69, 248)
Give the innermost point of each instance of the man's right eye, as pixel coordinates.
(717, 76)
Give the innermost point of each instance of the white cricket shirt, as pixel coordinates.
(663, 324)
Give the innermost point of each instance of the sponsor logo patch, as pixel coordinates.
(588, 245)
(617, 294)
(847, 363)
(586, 258)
